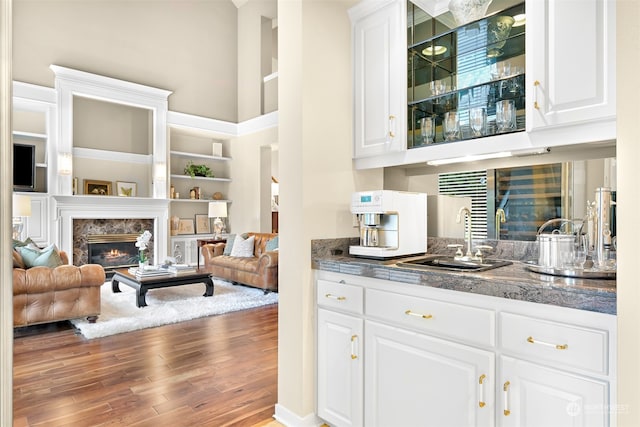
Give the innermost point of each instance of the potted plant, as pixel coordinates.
(198, 170)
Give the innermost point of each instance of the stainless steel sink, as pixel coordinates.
(445, 262)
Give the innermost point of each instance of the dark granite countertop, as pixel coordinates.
(514, 281)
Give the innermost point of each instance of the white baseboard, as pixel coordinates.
(290, 419)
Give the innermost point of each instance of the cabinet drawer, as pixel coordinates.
(469, 324)
(340, 295)
(557, 344)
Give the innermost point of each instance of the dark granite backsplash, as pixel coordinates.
(503, 249)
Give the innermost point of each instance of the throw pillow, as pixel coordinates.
(272, 245)
(34, 257)
(230, 239)
(17, 260)
(20, 243)
(243, 248)
(229, 245)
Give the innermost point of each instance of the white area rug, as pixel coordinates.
(168, 305)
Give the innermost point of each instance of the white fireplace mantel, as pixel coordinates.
(65, 209)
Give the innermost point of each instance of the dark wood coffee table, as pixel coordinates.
(143, 285)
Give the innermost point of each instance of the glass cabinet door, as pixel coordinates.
(466, 82)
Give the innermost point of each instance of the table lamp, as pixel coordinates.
(218, 210)
(21, 209)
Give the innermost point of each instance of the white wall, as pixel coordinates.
(187, 46)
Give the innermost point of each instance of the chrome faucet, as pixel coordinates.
(467, 230)
(500, 218)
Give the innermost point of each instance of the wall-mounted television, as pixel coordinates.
(24, 167)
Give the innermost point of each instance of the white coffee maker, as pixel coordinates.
(391, 223)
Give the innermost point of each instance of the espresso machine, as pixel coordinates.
(391, 223)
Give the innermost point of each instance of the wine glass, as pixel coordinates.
(450, 125)
(580, 254)
(505, 115)
(427, 129)
(478, 120)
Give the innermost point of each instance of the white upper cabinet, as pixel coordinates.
(379, 75)
(571, 57)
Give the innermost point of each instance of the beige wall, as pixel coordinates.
(187, 46)
(628, 52)
(250, 61)
(245, 210)
(316, 174)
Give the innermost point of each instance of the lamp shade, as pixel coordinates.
(21, 205)
(65, 163)
(217, 209)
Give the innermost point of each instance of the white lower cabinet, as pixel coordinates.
(340, 368)
(535, 395)
(412, 379)
(433, 357)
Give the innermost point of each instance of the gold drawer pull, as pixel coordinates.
(330, 296)
(535, 99)
(505, 388)
(354, 353)
(548, 344)
(424, 316)
(482, 403)
(392, 126)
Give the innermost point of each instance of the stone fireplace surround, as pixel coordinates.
(84, 228)
(89, 213)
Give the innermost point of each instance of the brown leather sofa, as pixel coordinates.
(259, 271)
(43, 294)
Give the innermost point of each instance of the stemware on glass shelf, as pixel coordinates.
(451, 126)
(478, 121)
(505, 116)
(427, 129)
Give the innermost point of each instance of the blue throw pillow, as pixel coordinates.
(271, 245)
(229, 245)
(35, 257)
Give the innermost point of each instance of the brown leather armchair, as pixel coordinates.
(259, 271)
(43, 294)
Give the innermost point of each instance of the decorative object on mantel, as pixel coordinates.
(218, 210)
(194, 170)
(126, 189)
(97, 188)
(217, 196)
(141, 243)
(465, 11)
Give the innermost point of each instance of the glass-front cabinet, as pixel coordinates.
(465, 82)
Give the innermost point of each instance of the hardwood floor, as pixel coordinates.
(215, 371)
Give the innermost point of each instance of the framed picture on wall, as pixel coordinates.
(126, 189)
(97, 188)
(203, 224)
(186, 226)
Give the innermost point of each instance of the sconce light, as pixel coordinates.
(218, 210)
(160, 172)
(65, 163)
(21, 209)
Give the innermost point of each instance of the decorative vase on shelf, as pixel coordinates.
(465, 11)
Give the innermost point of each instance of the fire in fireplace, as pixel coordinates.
(112, 251)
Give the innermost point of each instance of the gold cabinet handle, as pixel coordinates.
(505, 389)
(535, 96)
(548, 344)
(412, 313)
(354, 347)
(392, 126)
(330, 296)
(481, 402)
